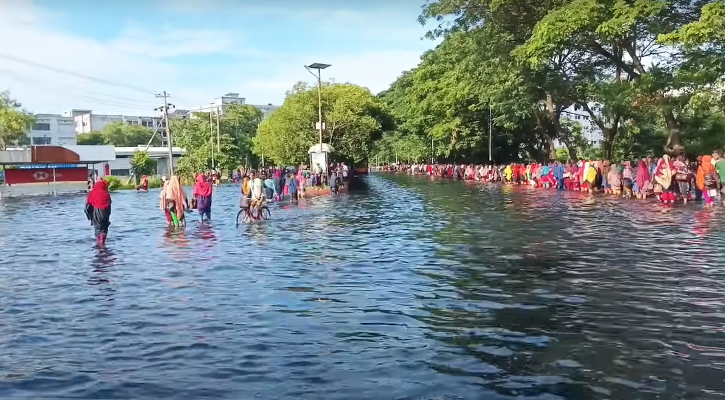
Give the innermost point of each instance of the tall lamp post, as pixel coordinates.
(319, 67)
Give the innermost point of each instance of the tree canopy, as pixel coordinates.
(14, 121)
(648, 74)
(230, 148)
(354, 118)
(120, 135)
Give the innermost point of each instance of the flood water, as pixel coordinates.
(415, 289)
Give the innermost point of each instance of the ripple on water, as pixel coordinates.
(417, 289)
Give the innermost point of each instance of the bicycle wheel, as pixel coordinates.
(266, 213)
(241, 215)
(255, 213)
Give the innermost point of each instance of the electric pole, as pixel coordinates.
(165, 110)
(211, 137)
(490, 134)
(218, 133)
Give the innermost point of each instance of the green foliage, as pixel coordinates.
(142, 164)
(231, 146)
(120, 135)
(648, 73)
(113, 183)
(91, 139)
(353, 117)
(14, 121)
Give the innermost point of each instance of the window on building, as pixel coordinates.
(40, 141)
(120, 172)
(41, 126)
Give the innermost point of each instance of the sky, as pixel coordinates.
(113, 56)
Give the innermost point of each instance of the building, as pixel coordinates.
(85, 121)
(230, 98)
(121, 165)
(52, 129)
(590, 130)
(48, 169)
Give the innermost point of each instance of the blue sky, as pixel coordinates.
(198, 50)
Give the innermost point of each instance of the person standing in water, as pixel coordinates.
(174, 201)
(203, 195)
(293, 187)
(98, 209)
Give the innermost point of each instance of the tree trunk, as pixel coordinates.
(674, 145)
(545, 128)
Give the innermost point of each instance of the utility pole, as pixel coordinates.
(218, 133)
(211, 137)
(165, 110)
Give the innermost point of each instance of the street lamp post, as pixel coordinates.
(319, 67)
(490, 133)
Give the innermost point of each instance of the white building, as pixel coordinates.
(52, 129)
(86, 121)
(230, 98)
(590, 130)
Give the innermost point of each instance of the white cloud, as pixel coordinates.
(169, 42)
(138, 63)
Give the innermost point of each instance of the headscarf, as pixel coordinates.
(175, 192)
(202, 187)
(642, 174)
(162, 195)
(99, 197)
(663, 172)
(703, 169)
(613, 177)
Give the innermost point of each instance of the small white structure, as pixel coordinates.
(319, 155)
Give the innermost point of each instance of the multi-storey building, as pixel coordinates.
(52, 129)
(590, 130)
(230, 98)
(86, 121)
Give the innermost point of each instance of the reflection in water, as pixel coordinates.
(104, 259)
(419, 289)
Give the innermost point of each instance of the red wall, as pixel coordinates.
(16, 176)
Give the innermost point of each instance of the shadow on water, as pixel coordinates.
(410, 289)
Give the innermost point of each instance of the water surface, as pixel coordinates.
(416, 289)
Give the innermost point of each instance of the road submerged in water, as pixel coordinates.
(415, 289)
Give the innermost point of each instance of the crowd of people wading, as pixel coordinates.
(666, 179)
(257, 187)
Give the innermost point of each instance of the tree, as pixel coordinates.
(645, 72)
(142, 164)
(14, 121)
(120, 135)
(353, 117)
(91, 139)
(231, 147)
(125, 135)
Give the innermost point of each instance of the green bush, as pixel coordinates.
(113, 183)
(155, 182)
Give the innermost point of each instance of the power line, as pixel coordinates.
(74, 74)
(135, 104)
